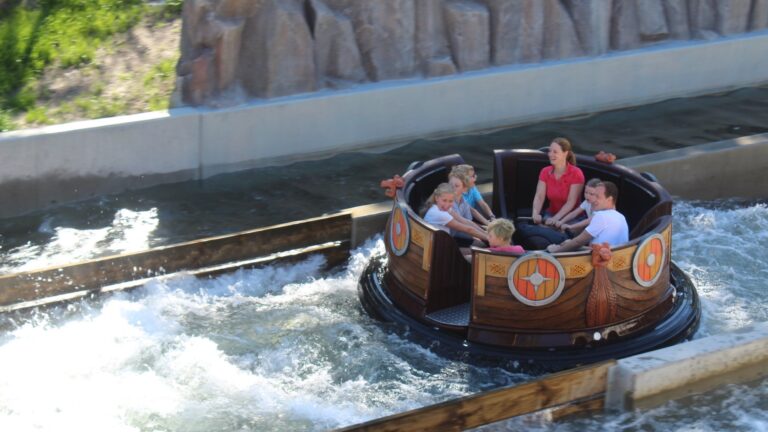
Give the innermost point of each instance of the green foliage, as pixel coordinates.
(6, 123)
(25, 98)
(167, 10)
(38, 115)
(160, 72)
(159, 78)
(98, 107)
(172, 8)
(63, 32)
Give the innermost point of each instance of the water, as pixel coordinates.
(271, 195)
(289, 349)
(271, 349)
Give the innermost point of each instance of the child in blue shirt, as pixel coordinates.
(481, 211)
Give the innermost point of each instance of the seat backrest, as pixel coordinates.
(421, 181)
(516, 172)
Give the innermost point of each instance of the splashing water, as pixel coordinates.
(290, 349)
(279, 348)
(722, 247)
(129, 231)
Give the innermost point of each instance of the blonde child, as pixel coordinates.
(439, 213)
(584, 208)
(461, 210)
(481, 211)
(500, 233)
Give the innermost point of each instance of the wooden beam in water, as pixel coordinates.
(210, 252)
(571, 391)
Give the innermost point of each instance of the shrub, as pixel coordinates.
(6, 123)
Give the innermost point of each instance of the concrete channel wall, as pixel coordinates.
(74, 161)
(652, 378)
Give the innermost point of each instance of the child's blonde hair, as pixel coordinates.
(461, 174)
(593, 182)
(463, 168)
(442, 188)
(502, 228)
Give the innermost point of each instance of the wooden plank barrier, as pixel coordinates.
(576, 390)
(202, 257)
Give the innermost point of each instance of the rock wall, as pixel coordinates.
(235, 50)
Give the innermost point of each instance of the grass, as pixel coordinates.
(5, 121)
(65, 34)
(156, 82)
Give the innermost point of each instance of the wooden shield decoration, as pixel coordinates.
(536, 279)
(399, 231)
(649, 260)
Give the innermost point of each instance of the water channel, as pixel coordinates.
(288, 348)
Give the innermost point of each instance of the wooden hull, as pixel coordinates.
(676, 323)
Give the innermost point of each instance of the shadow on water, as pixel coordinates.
(264, 196)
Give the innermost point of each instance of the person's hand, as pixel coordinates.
(551, 248)
(564, 227)
(536, 219)
(551, 222)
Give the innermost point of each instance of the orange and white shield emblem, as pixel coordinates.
(536, 279)
(649, 260)
(399, 231)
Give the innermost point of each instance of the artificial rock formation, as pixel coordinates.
(235, 50)
(468, 25)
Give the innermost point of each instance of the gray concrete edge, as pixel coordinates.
(722, 169)
(652, 378)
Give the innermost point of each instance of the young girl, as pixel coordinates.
(578, 223)
(440, 215)
(500, 233)
(481, 211)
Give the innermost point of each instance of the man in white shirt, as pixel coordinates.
(607, 224)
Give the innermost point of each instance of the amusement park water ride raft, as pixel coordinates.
(538, 310)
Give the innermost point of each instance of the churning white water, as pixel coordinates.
(280, 348)
(128, 231)
(290, 349)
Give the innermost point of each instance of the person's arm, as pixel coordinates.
(457, 225)
(486, 208)
(476, 215)
(574, 192)
(578, 225)
(538, 201)
(561, 223)
(457, 216)
(582, 239)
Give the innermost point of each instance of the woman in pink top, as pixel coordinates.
(561, 184)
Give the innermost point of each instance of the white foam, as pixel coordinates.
(129, 231)
(289, 348)
(723, 249)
